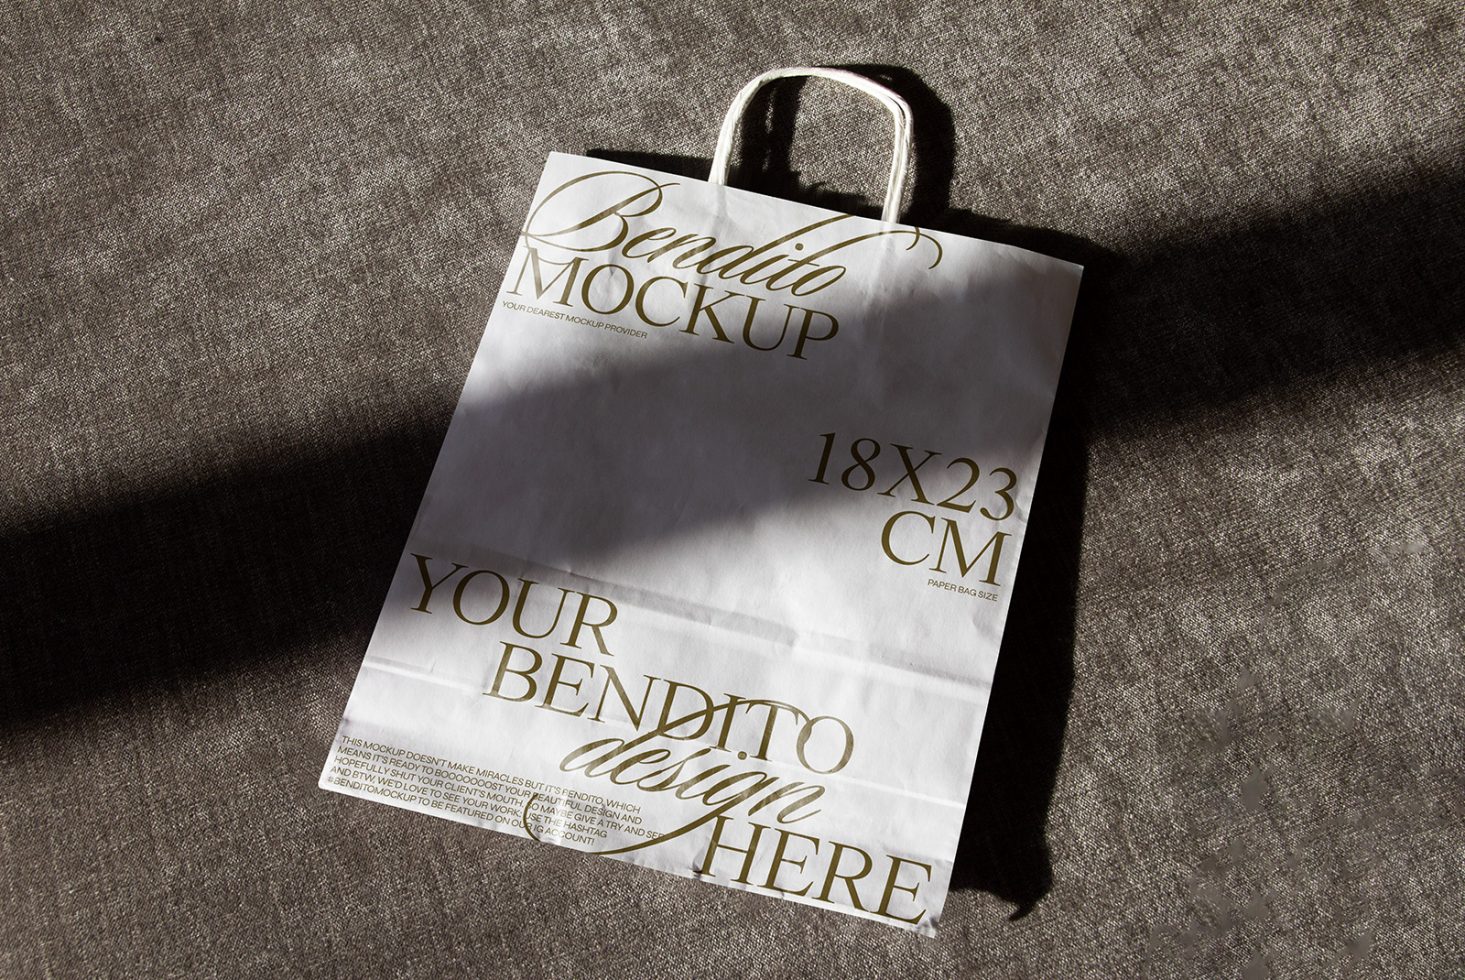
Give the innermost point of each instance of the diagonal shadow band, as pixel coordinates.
(1201, 317)
(236, 568)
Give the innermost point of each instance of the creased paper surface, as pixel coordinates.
(711, 573)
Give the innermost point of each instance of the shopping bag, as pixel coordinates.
(711, 573)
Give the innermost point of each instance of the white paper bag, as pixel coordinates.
(712, 570)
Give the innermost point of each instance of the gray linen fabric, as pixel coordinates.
(247, 253)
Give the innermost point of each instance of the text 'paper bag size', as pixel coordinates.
(712, 570)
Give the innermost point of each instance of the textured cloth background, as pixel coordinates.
(247, 253)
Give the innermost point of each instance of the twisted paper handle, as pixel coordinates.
(899, 110)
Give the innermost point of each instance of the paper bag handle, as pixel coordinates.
(901, 112)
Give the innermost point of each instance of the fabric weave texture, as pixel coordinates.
(248, 251)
